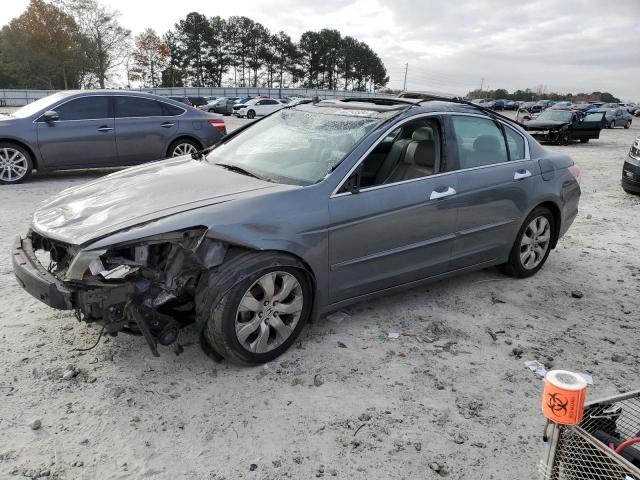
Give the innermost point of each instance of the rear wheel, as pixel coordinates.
(628, 124)
(532, 246)
(15, 164)
(251, 114)
(258, 318)
(182, 146)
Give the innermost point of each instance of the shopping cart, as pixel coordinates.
(588, 451)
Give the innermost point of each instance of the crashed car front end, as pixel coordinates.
(146, 286)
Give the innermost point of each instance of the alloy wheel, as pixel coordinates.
(535, 242)
(13, 165)
(183, 149)
(269, 312)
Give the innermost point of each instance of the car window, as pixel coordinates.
(172, 109)
(515, 142)
(137, 107)
(271, 102)
(85, 108)
(409, 152)
(479, 140)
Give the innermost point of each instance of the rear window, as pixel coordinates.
(137, 107)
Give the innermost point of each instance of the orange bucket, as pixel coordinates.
(563, 397)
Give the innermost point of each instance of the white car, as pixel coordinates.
(258, 106)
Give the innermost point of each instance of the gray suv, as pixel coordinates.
(91, 129)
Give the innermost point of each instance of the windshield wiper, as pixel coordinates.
(237, 169)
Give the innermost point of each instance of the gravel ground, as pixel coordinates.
(347, 401)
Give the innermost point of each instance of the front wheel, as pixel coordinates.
(532, 246)
(15, 164)
(628, 124)
(251, 114)
(259, 318)
(564, 138)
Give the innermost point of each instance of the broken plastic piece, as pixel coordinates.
(393, 335)
(121, 271)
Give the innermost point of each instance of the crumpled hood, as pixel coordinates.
(140, 194)
(543, 124)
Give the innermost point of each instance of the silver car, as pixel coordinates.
(303, 212)
(91, 129)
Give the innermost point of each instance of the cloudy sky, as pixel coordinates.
(566, 46)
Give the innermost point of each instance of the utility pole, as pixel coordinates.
(406, 68)
(481, 83)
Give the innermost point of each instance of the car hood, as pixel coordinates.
(544, 124)
(139, 195)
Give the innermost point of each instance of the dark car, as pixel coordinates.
(102, 128)
(191, 101)
(631, 169)
(307, 210)
(499, 105)
(563, 126)
(223, 105)
(540, 106)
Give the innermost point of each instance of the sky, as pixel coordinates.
(566, 46)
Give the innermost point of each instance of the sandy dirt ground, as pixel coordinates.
(445, 396)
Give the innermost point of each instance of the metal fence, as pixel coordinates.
(18, 98)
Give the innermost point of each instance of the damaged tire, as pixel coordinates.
(260, 316)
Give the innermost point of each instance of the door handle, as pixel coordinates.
(167, 125)
(520, 174)
(441, 194)
(104, 128)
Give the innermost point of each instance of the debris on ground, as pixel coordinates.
(540, 371)
(337, 317)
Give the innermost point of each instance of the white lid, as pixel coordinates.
(566, 380)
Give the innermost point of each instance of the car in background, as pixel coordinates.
(300, 101)
(102, 128)
(631, 169)
(211, 99)
(561, 105)
(563, 126)
(223, 105)
(313, 208)
(540, 106)
(191, 101)
(499, 104)
(240, 102)
(616, 117)
(257, 107)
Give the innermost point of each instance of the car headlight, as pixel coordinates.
(120, 260)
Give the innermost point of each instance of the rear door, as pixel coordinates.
(495, 175)
(144, 127)
(82, 137)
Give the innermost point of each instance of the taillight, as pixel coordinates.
(575, 171)
(218, 124)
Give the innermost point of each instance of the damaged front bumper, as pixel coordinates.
(145, 287)
(36, 280)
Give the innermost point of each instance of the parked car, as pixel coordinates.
(240, 102)
(540, 106)
(563, 126)
(102, 128)
(617, 117)
(303, 212)
(499, 104)
(561, 106)
(258, 106)
(223, 105)
(631, 169)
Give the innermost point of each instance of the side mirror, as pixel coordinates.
(50, 116)
(352, 185)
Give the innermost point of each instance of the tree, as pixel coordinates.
(174, 74)
(218, 50)
(150, 58)
(192, 33)
(106, 46)
(42, 48)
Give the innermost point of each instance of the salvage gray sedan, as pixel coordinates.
(309, 209)
(91, 129)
